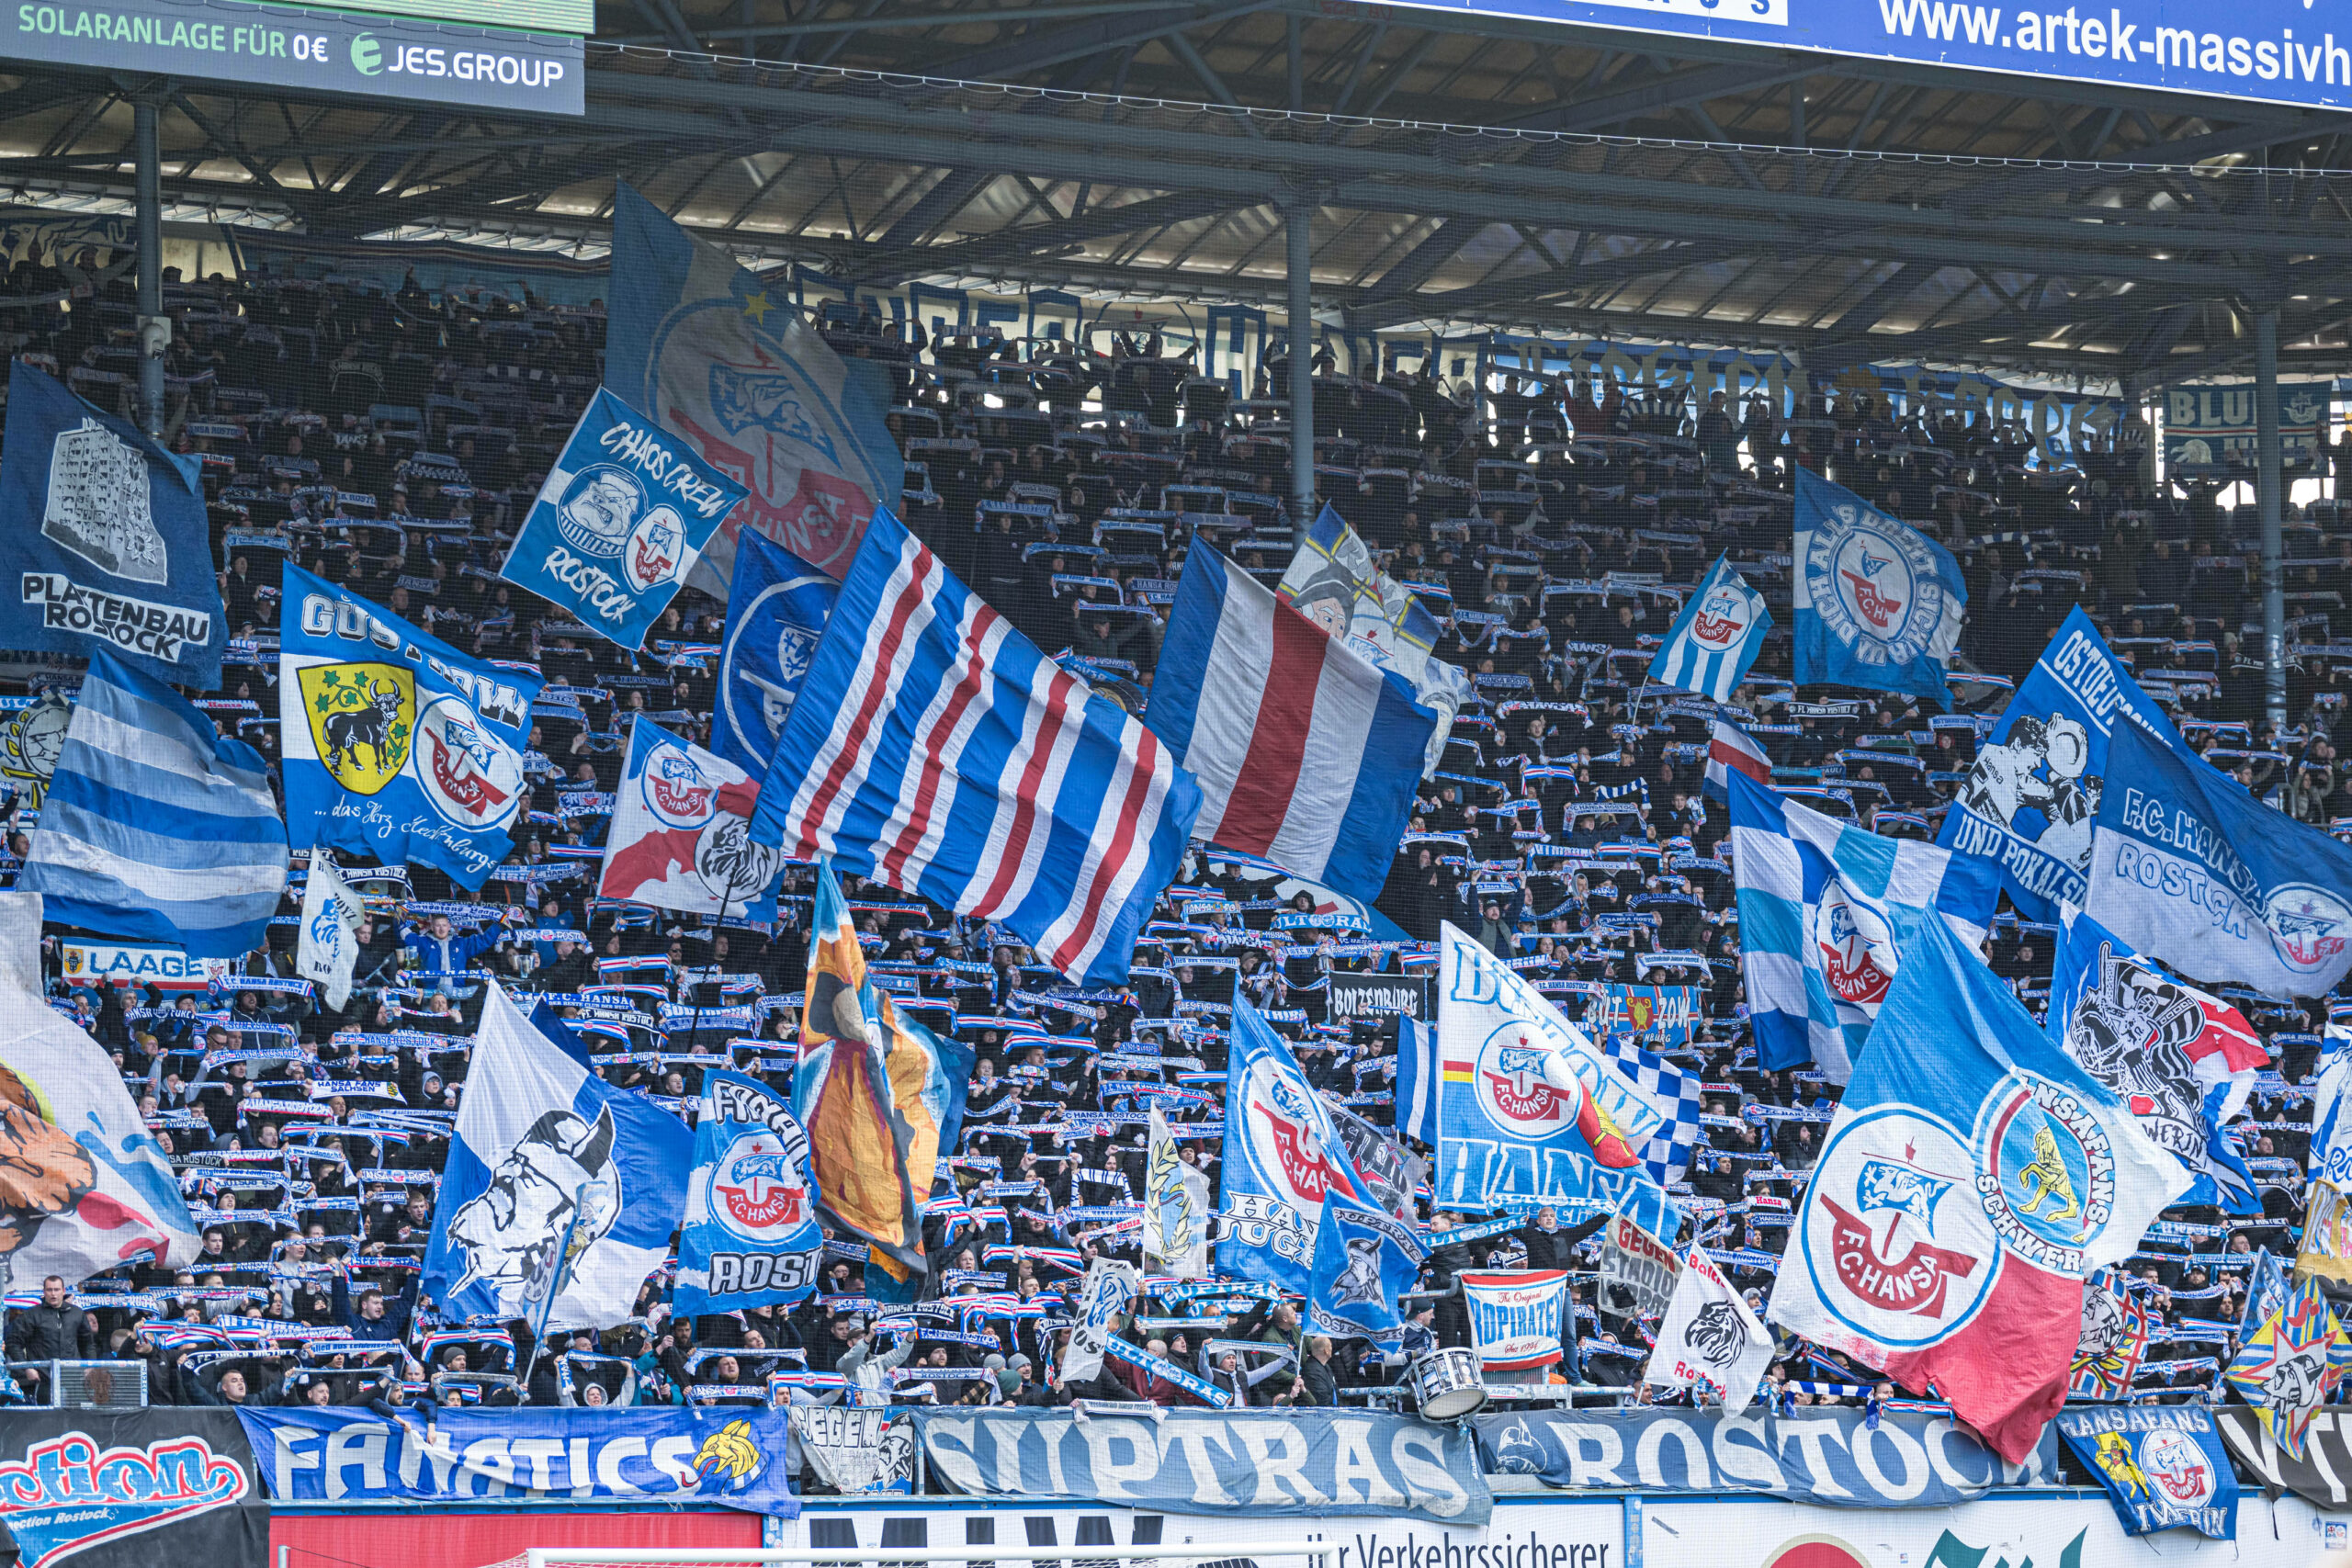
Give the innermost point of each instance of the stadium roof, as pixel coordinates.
(1463, 171)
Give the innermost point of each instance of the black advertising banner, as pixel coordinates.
(1373, 996)
(132, 1489)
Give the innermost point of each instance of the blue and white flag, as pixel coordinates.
(724, 363)
(1823, 905)
(326, 947)
(1363, 1260)
(107, 538)
(2330, 1158)
(750, 1233)
(2033, 794)
(1878, 603)
(680, 837)
(776, 609)
(934, 749)
(2181, 1058)
(1306, 752)
(2192, 871)
(396, 745)
(155, 825)
(1419, 1078)
(619, 521)
(1282, 1153)
(1531, 1112)
(1716, 638)
(1110, 1284)
(1667, 1088)
(560, 1192)
(2165, 1467)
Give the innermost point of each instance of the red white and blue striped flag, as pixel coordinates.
(934, 749)
(1306, 753)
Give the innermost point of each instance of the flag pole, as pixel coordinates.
(556, 1281)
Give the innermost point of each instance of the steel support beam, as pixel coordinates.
(154, 327)
(2269, 469)
(1297, 229)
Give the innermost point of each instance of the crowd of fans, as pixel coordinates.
(390, 440)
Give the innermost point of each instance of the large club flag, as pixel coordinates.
(1716, 638)
(934, 749)
(1729, 751)
(1824, 908)
(681, 832)
(1669, 1090)
(1282, 1153)
(1973, 1179)
(2195, 873)
(1306, 753)
(560, 1192)
(2291, 1355)
(326, 947)
(881, 1097)
(87, 1186)
(107, 548)
(1175, 1207)
(2032, 795)
(1878, 603)
(1364, 1259)
(1709, 1339)
(776, 609)
(619, 521)
(2183, 1059)
(1530, 1111)
(724, 362)
(395, 744)
(155, 825)
(2330, 1159)
(750, 1233)
(1331, 581)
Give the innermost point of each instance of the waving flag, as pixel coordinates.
(1972, 1180)
(1282, 1153)
(155, 825)
(2330, 1159)
(1823, 906)
(1716, 638)
(2183, 1059)
(107, 548)
(776, 609)
(2115, 1333)
(2290, 1361)
(1530, 1111)
(1709, 1338)
(396, 745)
(2033, 794)
(90, 1190)
(681, 832)
(1878, 603)
(619, 521)
(1175, 1208)
(1306, 753)
(934, 749)
(328, 946)
(1731, 751)
(1670, 1091)
(1363, 1260)
(750, 1233)
(725, 363)
(880, 1094)
(1331, 581)
(2195, 873)
(562, 1191)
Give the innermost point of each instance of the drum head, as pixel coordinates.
(1454, 1403)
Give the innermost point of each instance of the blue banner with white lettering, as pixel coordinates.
(1266, 1463)
(396, 745)
(1283, 1154)
(2194, 872)
(776, 609)
(622, 518)
(1832, 1455)
(2164, 1466)
(2031, 798)
(107, 544)
(732, 1456)
(751, 1235)
(1878, 603)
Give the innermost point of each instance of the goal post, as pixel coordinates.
(1289, 1553)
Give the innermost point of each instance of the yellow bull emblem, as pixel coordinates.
(363, 721)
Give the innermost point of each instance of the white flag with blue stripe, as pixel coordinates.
(1822, 906)
(1716, 638)
(155, 826)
